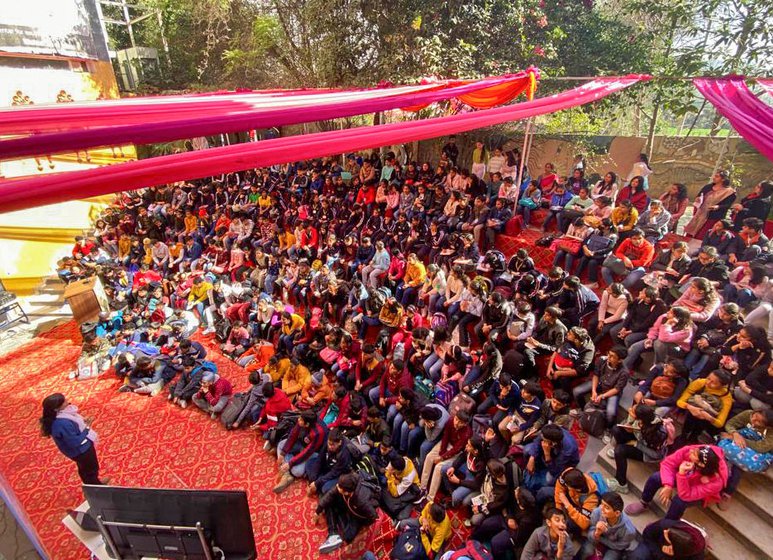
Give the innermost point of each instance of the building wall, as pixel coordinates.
(49, 46)
(674, 159)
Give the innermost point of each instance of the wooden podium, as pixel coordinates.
(87, 299)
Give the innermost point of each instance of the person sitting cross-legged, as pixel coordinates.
(214, 395)
(348, 507)
(304, 442)
(401, 487)
(333, 460)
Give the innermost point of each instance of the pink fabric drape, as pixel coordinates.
(27, 193)
(161, 120)
(752, 118)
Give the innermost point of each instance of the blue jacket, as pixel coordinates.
(567, 456)
(69, 439)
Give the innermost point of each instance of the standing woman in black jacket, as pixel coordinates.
(72, 435)
(754, 205)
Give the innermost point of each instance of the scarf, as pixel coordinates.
(70, 412)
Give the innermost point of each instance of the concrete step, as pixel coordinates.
(738, 532)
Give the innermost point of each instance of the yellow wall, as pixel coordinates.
(32, 241)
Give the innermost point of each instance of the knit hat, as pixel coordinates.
(210, 377)
(317, 377)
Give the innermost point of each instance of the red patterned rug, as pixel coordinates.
(143, 442)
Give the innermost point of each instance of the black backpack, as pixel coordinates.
(408, 545)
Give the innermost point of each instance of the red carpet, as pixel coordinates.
(143, 442)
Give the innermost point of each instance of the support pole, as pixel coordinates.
(524, 151)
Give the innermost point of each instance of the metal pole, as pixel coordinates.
(127, 18)
(204, 545)
(107, 538)
(519, 176)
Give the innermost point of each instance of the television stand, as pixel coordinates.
(163, 539)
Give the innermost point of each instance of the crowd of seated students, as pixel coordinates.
(397, 361)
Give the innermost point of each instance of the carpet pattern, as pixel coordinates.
(143, 441)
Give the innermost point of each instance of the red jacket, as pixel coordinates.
(394, 384)
(219, 389)
(642, 255)
(239, 312)
(366, 196)
(453, 440)
(145, 278)
(274, 406)
(84, 249)
(310, 239)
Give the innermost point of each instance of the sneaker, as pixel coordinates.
(73, 374)
(636, 508)
(332, 543)
(422, 497)
(213, 416)
(575, 413)
(125, 389)
(286, 480)
(606, 438)
(156, 388)
(615, 486)
(183, 404)
(611, 452)
(144, 390)
(208, 331)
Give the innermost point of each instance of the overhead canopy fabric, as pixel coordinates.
(750, 116)
(70, 127)
(49, 189)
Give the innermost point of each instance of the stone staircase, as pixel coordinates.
(45, 309)
(742, 532)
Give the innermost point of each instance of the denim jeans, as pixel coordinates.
(300, 469)
(610, 403)
(678, 506)
(432, 366)
(458, 493)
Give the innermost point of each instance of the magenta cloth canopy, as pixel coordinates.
(49, 189)
(750, 116)
(79, 126)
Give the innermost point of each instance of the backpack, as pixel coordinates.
(601, 483)
(424, 386)
(382, 342)
(354, 451)
(233, 409)
(444, 393)
(438, 320)
(462, 401)
(473, 550)
(481, 423)
(662, 387)
(593, 421)
(408, 545)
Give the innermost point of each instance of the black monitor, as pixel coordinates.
(174, 524)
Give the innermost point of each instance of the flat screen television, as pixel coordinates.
(162, 523)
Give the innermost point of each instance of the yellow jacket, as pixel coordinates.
(295, 379)
(277, 372)
(296, 324)
(399, 482)
(699, 386)
(415, 274)
(624, 223)
(191, 223)
(439, 532)
(581, 505)
(199, 292)
(318, 394)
